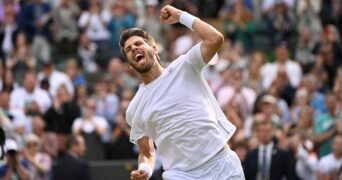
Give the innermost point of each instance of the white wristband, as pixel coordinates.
(187, 19)
(147, 168)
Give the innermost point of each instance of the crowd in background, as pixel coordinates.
(278, 79)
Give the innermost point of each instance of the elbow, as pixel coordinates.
(216, 40)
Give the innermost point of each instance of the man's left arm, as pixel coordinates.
(212, 38)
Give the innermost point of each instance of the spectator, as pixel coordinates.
(82, 93)
(9, 84)
(94, 22)
(49, 141)
(117, 73)
(291, 68)
(87, 53)
(107, 105)
(56, 78)
(30, 99)
(330, 164)
(244, 96)
(14, 168)
(304, 49)
(12, 4)
(36, 21)
(267, 161)
(39, 162)
(71, 167)
(120, 20)
(316, 98)
(252, 76)
(152, 24)
(75, 73)
(66, 26)
(238, 23)
(325, 126)
(8, 30)
(308, 17)
(21, 60)
(281, 23)
(120, 146)
(92, 128)
(60, 117)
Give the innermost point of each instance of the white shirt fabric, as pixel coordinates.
(95, 25)
(269, 73)
(20, 98)
(306, 164)
(56, 79)
(180, 113)
(89, 126)
(329, 164)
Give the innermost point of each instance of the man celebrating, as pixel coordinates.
(176, 110)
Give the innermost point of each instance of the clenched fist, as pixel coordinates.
(170, 14)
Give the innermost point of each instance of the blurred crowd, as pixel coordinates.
(278, 79)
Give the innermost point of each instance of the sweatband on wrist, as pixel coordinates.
(147, 168)
(187, 19)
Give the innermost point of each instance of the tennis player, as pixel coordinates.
(174, 109)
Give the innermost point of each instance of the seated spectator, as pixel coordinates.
(14, 168)
(71, 167)
(9, 29)
(251, 75)
(9, 83)
(39, 163)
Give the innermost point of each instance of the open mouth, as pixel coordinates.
(139, 57)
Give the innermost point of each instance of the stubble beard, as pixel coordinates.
(146, 68)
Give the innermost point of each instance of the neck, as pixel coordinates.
(153, 74)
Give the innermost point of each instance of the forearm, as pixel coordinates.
(22, 172)
(149, 159)
(323, 137)
(147, 155)
(212, 38)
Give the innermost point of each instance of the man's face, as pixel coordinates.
(81, 147)
(30, 82)
(265, 133)
(140, 55)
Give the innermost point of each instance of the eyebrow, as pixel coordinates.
(129, 46)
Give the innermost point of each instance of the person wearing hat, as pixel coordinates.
(14, 168)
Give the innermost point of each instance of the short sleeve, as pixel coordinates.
(194, 57)
(137, 129)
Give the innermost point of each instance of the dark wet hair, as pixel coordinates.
(134, 32)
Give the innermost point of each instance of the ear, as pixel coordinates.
(154, 48)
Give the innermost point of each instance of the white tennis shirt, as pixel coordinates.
(180, 113)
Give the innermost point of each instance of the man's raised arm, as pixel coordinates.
(212, 38)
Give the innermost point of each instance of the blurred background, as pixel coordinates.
(61, 73)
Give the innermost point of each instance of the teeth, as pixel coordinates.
(138, 56)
